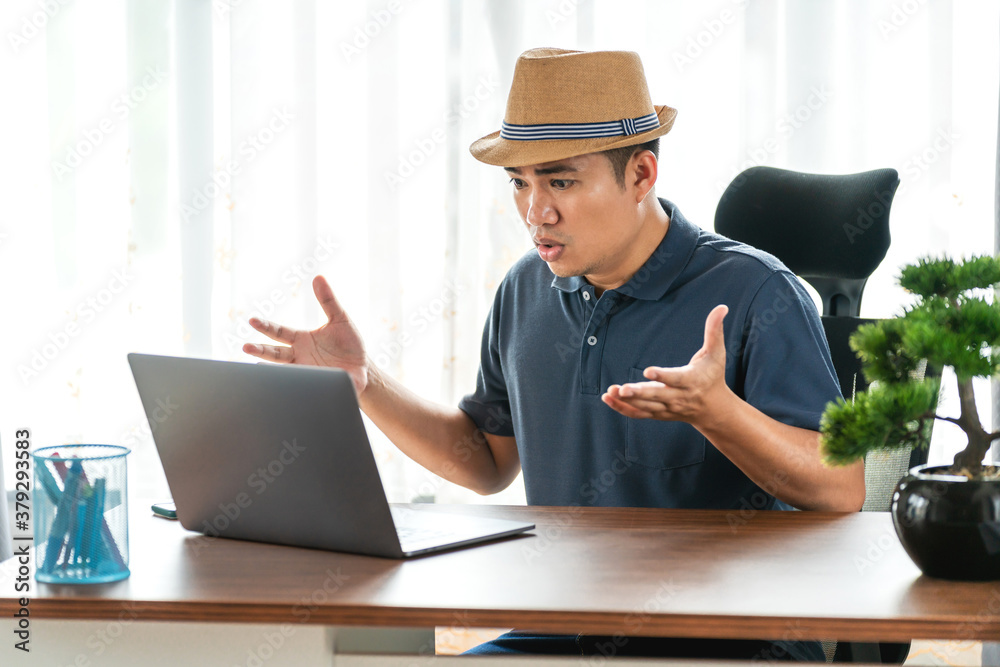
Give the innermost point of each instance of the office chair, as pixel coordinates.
(833, 232)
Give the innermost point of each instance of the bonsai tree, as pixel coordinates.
(953, 323)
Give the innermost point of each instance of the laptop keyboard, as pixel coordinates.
(421, 531)
(407, 534)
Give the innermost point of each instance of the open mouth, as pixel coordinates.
(550, 252)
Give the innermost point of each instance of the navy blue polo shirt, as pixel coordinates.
(550, 349)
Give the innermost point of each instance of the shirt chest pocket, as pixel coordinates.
(659, 444)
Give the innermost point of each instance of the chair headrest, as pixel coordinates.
(819, 225)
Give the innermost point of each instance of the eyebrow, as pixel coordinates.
(545, 171)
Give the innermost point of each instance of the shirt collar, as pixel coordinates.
(661, 269)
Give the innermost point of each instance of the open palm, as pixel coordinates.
(684, 393)
(336, 344)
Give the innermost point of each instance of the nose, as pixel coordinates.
(541, 210)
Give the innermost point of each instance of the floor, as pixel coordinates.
(945, 653)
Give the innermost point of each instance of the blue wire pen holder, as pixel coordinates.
(81, 514)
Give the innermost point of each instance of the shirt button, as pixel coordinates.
(592, 340)
(586, 296)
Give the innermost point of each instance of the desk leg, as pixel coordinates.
(991, 654)
(410, 641)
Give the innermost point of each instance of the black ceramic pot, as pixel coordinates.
(948, 524)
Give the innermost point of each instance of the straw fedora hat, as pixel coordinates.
(567, 103)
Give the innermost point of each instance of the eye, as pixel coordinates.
(518, 183)
(560, 183)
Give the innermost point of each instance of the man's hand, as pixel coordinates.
(336, 344)
(690, 393)
(763, 448)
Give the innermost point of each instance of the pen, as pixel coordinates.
(90, 525)
(109, 539)
(48, 483)
(80, 514)
(99, 547)
(60, 523)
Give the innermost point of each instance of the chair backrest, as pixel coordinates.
(838, 333)
(833, 232)
(830, 230)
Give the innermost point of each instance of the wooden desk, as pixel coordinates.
(778, 575)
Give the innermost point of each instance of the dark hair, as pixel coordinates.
(619, 157)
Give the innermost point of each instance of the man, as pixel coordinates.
(606, 371)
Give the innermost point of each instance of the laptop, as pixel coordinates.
(279, 454)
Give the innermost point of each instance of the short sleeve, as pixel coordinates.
(489, 405)
(789, 374)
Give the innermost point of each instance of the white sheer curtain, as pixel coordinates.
(174, 167)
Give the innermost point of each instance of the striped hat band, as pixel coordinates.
(614, 128)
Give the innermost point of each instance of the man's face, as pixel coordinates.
(581, 221)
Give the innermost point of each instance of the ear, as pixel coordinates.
(640, 175)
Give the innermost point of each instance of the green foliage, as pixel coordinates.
(943, 277)
(952, 324)
(883, 356)
(954, 333)
(887, 415)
